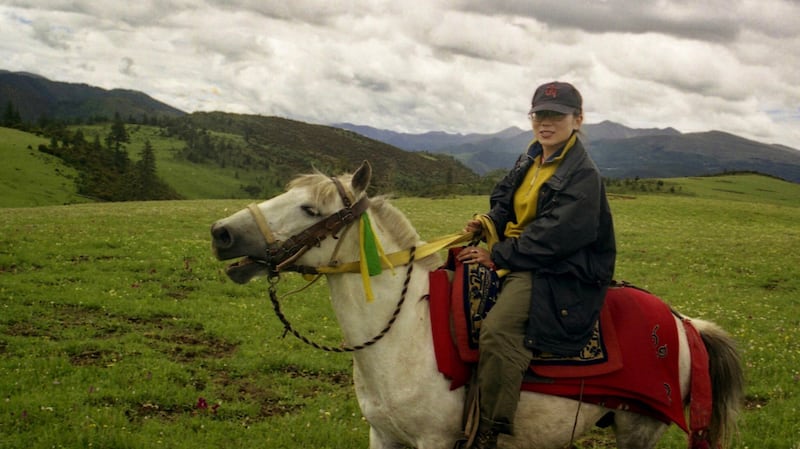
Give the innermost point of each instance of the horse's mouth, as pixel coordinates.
(245, 269)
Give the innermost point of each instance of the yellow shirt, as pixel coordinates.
(527, 194)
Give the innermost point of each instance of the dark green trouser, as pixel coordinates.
(503, 355)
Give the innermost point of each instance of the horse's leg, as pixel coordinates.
(635, 431)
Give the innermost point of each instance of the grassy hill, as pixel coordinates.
(190, 180)
(280, 147)
(220, 155)
(31, 178)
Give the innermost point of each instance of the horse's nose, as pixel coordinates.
(220, 236)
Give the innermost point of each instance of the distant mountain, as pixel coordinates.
(430, 141)
(611, 130)
(691, 155)
(508, 140)
(35, 97)
(622, 152)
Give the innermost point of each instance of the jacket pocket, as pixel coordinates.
(573, 304)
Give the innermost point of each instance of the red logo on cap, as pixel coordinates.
(551, 91)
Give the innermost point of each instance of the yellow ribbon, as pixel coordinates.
(491, 236)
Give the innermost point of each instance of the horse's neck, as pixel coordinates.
(361, 320)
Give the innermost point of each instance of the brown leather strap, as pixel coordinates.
(294, 247)
(342, 192)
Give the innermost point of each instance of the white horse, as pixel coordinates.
(405, 399)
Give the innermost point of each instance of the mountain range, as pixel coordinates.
(37, 97)
(619, 151)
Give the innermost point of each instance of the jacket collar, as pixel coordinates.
(570, 162)
(535, 149)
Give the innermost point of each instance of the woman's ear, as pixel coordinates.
(578, 121)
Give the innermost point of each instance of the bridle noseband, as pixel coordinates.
(280, 254)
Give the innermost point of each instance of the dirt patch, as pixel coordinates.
(94, 357)
(149, 410)
(186, 345)
(776, 284)
(14, 268)
(184, 342)
(754, 402)
(51, 321)
(242, 389)
(83, 258)
(334, 378)
(179, 291)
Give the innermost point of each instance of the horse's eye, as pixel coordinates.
(311, 211)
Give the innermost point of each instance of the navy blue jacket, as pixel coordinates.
(569, 248)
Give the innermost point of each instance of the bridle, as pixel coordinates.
(280, 256)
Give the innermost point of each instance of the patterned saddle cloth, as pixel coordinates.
(472, 294)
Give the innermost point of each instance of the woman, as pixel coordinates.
(556, 240)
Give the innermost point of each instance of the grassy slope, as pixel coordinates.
(192, 181)
(116, 320)
(31, 178)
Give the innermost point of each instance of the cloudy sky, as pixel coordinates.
(445, 65)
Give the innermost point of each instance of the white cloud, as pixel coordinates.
(452, 65)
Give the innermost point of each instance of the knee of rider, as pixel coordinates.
(492, 333)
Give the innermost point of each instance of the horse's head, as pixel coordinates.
(291, 227)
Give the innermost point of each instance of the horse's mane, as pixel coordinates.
(386, 216)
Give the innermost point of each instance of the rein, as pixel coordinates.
(287, 326)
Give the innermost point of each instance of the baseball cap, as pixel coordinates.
(557, 96)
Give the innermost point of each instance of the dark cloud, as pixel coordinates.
(52, 36)
(713, 20)
(126, 66)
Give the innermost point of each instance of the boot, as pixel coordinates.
(485, 439)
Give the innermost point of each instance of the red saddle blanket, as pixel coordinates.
(639, 370)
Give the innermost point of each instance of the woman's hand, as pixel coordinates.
(475, 254)
(473, 226)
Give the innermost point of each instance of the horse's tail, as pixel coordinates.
(727, 381)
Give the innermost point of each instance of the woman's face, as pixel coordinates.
(553, 129)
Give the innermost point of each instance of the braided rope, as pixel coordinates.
(287, 326)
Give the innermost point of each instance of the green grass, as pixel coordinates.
(745, 187)
(31, 178)
(115, 320)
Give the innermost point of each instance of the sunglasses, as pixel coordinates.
(540, 116)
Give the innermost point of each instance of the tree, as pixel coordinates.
(114, 140)
(148, 182)
(11, 117)
(118, 134)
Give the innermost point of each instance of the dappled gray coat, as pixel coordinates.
(569, 248)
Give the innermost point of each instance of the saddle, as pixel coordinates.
(630, 363)
(471, 291)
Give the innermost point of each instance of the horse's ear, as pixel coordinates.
(362, 177)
